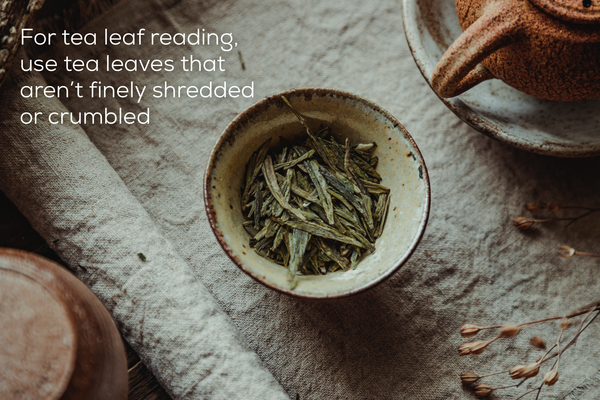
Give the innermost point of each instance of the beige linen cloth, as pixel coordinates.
(100, 194)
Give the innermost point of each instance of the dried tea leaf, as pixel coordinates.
(290, 164)
(366, 167)
(363, 241)
(298, 241)
(257, 206)
(327, 154)
(300, 117)
(324, 231)
(275, 189)
(375, 188)
(357, 184)
(340, 198)
(364, 146)
(332, 254)
(308, 196)
(379, 206)
(386, 208)
(278, 238)
(356, 203)
(254, 168)
(354, 259)
(321, 185)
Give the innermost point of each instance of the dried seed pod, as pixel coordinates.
(465, 349)
(478, 347)
(553, 208)
(551, 377)
(566, 323)
(566, 251)
(472, 348)
(483, 390)
(538, 342)
(517, 371)
(533, 207)
(523, 223)
(531, 370)
(510, 330)
(469, 330)
(469, 377)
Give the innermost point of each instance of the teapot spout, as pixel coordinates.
(473, 78)
(460, 67)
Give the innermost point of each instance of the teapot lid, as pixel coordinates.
(579, 11)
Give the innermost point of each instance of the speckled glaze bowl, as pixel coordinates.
(400, 165)
(562, 129)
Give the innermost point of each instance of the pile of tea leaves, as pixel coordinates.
(314, 205)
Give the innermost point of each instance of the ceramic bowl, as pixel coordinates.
(562, 129)
(401, 167)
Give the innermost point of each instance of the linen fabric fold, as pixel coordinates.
(78, 203)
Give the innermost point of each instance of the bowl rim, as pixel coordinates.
(466, 114)
(226, 136)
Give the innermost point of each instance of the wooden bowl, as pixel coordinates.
(401, 167)
(57, 341)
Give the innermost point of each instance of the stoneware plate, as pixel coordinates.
(401, 167)
(562, 129)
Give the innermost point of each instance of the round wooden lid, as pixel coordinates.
(37, 340)
(578, 11)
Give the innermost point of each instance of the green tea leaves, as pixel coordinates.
(324, 208)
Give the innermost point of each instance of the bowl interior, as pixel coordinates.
(400, 165)
(564, 129)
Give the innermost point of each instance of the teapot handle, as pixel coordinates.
(459, 68)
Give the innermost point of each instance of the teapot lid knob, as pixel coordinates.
(578, 11)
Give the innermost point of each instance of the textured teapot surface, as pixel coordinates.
(578, 11)
(547, 48)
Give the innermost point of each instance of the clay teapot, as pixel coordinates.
(546, 48)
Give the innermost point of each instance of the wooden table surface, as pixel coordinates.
(17, 233)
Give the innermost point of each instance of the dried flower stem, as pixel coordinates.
(495, 373)
(553, 208)
(574, 314)
(539, 391)
(526, 223)
(588, 213)
(557, 343)
(573, 341)
(580, 253)
(580, 326)
(505, 387)
(543, 382)
(478, 347)
(530, 370)
(576, 208)
(558, 347)
(526, 393)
